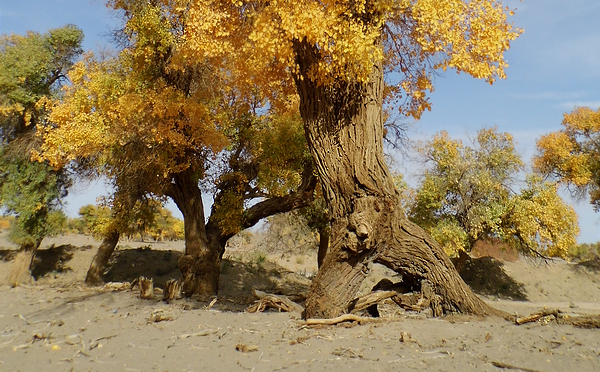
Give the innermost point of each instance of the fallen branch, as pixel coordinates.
(204, 332)
(371, 299)
(267, 300)
(536, 316)
(508, 366)
(341, 319)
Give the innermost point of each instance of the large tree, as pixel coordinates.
(335, 54)
(572, 155)
(471, 192)
(32, 68)
(156, 128)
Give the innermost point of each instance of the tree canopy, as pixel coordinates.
(32, 68)
(261, 41)
(572, 155)
(469, 193)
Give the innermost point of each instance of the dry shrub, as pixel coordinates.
(495, 249)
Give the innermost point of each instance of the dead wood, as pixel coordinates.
(341, 319)
(172, 290)
(246, 348)
(267, 300)
(146, 288)
(580, 321)
(536, 316)
(370, 299)
(508, 366)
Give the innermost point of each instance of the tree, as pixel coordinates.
(156, 129)
(32, 68)
(467, 195)
(572, 155)
(334, 55)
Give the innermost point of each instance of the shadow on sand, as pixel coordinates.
(486, 277)
(238, 279)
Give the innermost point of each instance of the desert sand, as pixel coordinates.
(59, 324)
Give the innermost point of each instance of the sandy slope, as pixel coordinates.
(58, 324)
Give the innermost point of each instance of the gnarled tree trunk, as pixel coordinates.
(20, 272)
(344, 129)
(200, 265)
(100, 260)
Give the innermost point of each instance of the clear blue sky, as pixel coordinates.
(554, 66)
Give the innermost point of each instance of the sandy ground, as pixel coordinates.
(58, 324)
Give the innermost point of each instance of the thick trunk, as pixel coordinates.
(344, 130)
(200, 265)
(100, 260)
(20, 272)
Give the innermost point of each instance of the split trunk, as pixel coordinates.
(344, 130)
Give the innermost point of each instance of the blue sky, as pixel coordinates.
(554, 66)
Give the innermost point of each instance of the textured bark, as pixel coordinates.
(200, 265)
(100, 260)
(344, 129)
(324, 234)
(205, 244)
(20, 272)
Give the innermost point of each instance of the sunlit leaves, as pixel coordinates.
(469, 193)
(412, 37)
(32, 67)
(572, 155)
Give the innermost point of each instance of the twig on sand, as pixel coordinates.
(31, 323)
(94, 343)
(508, 366)
(204, 332)
(343, 318)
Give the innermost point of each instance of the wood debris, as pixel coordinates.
(172, 290)
(371, 299)
(146, 288)
(267, 300)
(246, 348)
(160, 315)
(341, 319)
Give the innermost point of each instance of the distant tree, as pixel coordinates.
(469, 193)
(571, 156)
(32, 68)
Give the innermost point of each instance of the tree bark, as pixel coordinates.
(20, 272)
(200, 265)
(344, 130)
(100, 260)
(324, 234)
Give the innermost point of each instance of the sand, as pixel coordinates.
(58, 324)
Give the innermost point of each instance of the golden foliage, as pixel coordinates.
(572, 155)
(256, 41)
(467, 195)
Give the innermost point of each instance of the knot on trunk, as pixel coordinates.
(366, 212)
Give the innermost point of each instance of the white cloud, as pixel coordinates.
(551, 96)
(572, 104)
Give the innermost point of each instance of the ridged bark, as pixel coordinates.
(344, 129)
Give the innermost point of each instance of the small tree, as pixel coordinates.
(32, 68)
(469, 193)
